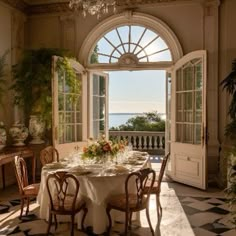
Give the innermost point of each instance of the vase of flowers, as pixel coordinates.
(101, 150)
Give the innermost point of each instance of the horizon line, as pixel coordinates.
(126, 113)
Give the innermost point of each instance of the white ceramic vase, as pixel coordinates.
(3, 136)
(19, 133)
(36, 129)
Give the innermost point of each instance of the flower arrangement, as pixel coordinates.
(102, 147)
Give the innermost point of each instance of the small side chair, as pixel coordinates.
(49, 155)
(156, 189)
(26, 190)
(133, 201)
(63, 201)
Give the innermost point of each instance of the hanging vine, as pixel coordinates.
(32, 81)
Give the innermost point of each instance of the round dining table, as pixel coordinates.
(97, 184)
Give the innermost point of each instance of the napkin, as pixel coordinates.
(117, 169)
(54, 165)
(79, 170)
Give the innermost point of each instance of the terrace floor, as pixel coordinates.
(186, 212)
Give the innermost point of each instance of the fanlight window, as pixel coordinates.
(130, 45)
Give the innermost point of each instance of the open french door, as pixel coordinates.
(188, 120)
(98, 104)
(69, 126)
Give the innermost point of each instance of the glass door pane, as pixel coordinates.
(69, 107)
(189, 102)
(99, 104)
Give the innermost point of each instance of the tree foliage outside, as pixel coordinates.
(94, 56)
(150, 121)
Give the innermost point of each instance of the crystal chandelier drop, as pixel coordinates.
(93, 7)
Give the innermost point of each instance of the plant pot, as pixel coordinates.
(19, 133)
(36, 129)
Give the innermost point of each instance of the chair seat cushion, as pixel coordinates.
(155, 189)
(67, 205)
(119, 202)
(31, 189)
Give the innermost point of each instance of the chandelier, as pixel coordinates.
(93, 7)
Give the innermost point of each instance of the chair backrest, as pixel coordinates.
(48, 155)
(63, 189)
(21, 173)
(162, 170)
(139, 180)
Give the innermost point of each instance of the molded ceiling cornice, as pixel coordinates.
(32, 7)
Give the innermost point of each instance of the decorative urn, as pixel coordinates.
(19, 133)
(36, 129)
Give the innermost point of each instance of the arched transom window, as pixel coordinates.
(130, 45)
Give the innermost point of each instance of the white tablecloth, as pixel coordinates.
(95, 190)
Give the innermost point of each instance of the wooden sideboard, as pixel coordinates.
(7, 156)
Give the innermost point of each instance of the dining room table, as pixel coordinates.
(97, 183)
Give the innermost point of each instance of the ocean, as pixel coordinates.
(116, 119)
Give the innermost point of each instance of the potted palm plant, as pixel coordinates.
(229, 84)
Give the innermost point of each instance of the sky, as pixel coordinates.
(137, 91)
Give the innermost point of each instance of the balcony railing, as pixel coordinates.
(152, 142)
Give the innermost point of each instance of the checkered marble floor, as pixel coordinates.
(186, 212)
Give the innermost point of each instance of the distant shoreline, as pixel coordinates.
(130, 113)
(121, 114)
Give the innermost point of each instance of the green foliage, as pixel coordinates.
(32, 81)
(231, 190)
(73, 84)
(150, 121)
(2, 74)
(229, 84)
(94, 56)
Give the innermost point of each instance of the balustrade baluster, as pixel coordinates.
(155, 146)
(147, 140)
(144, 142)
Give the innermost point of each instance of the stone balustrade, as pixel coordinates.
(152, 142)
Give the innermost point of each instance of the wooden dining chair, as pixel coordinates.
(64, 201)
(133, 201)
(156, 189)
(26, 190)
(49, 155)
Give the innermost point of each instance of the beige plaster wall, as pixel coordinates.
(227, 53)
(46, 30)
(43, 32)
(9, 31)
(6, 111)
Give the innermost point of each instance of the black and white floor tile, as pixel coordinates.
(183, 215)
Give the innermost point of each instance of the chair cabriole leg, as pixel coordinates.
(22, 206)
(49, 223)
(109, 220)
(84, 215)
(149, 221)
